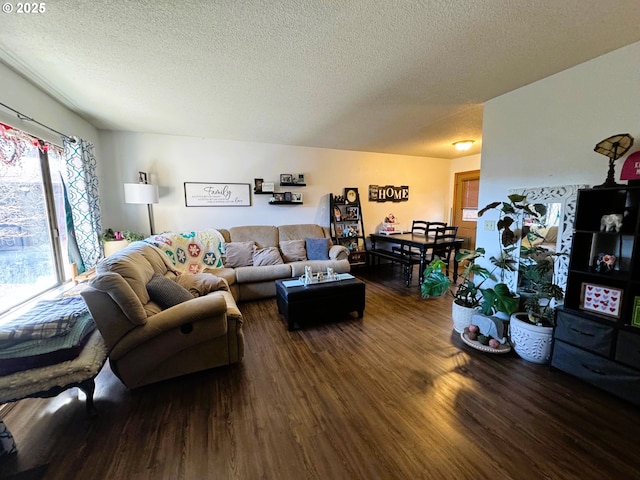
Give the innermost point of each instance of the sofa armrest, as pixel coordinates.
(338, 252)
(209, 308)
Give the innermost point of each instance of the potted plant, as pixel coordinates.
(114, 240)
(531, 331)
(500, 301)
(466, 287)
(511, 215)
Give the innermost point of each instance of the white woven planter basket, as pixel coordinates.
(531, 342)
(461, 316)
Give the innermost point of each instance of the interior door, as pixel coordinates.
(465, 206)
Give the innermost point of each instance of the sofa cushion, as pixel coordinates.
(239, 254)
(301, 231)
(293, 250)
(263, 274)
(266, 256)
(167, 293)
(262, 235)
(317, 248)
(201, 284)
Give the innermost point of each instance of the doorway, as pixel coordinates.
(465, 206)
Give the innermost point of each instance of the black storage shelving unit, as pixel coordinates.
(597, 336)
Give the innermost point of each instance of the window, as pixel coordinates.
(33, 238)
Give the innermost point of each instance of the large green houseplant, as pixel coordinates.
(511, 215)
(535, 283)
(501, 299)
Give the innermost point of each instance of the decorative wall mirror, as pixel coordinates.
(558, 230)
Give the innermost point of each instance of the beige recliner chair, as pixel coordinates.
(152, 339)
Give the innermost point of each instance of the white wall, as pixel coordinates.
(173, 160)
(544, 134)
(23, 96)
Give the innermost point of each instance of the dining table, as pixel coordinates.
(402, 255)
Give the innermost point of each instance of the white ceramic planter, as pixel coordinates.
(461, 316)
(113, 246)
(530, 342)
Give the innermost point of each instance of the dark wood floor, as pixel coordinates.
(394, 395)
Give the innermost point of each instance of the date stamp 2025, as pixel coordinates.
(24, 7)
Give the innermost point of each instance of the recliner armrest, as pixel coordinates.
(338, 252)
(209, 308)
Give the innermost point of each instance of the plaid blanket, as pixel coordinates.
(191, 252)
(47, 319)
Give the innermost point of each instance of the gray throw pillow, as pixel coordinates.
(293, 250)
(317, 248)
(239, 254)
(167, 293)
(266, 256)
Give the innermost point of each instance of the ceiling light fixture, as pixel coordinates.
(463, 145)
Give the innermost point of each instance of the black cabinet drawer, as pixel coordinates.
(617, 379)
(628, 349)
(584, 333)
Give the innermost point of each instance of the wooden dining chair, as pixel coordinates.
(446, 236)
(418, 227)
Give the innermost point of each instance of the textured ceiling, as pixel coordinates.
(406, 77)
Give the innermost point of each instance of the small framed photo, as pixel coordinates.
(286, 178)
(351, 194)
(268, 187)
(142, 177)
(298, 179)
(287, 196)
(296, 197)
(278, 197)
(635, 321)
(601, 299)
(257, 185)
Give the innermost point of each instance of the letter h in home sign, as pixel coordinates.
(389, 193)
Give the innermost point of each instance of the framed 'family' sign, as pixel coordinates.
(199, 194)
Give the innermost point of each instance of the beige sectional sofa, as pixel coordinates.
(167, 306)
(254, 282)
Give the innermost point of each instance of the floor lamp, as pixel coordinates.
(142, 193)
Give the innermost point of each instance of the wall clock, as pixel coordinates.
(351, 195)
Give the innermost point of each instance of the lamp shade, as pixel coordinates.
(140, 193)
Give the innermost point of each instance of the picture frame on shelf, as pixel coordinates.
(352, 213)
(278, 197)
(286, 178)
(296, 197)
(287, 196)
(635, 320)
(257, 185)
(351, 195)
(298, 179)
(601, 299)
(268, 187)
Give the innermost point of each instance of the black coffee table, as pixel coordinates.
(319, 300)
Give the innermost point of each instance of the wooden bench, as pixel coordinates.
(407, 261)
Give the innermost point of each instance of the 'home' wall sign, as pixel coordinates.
(388, 193)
